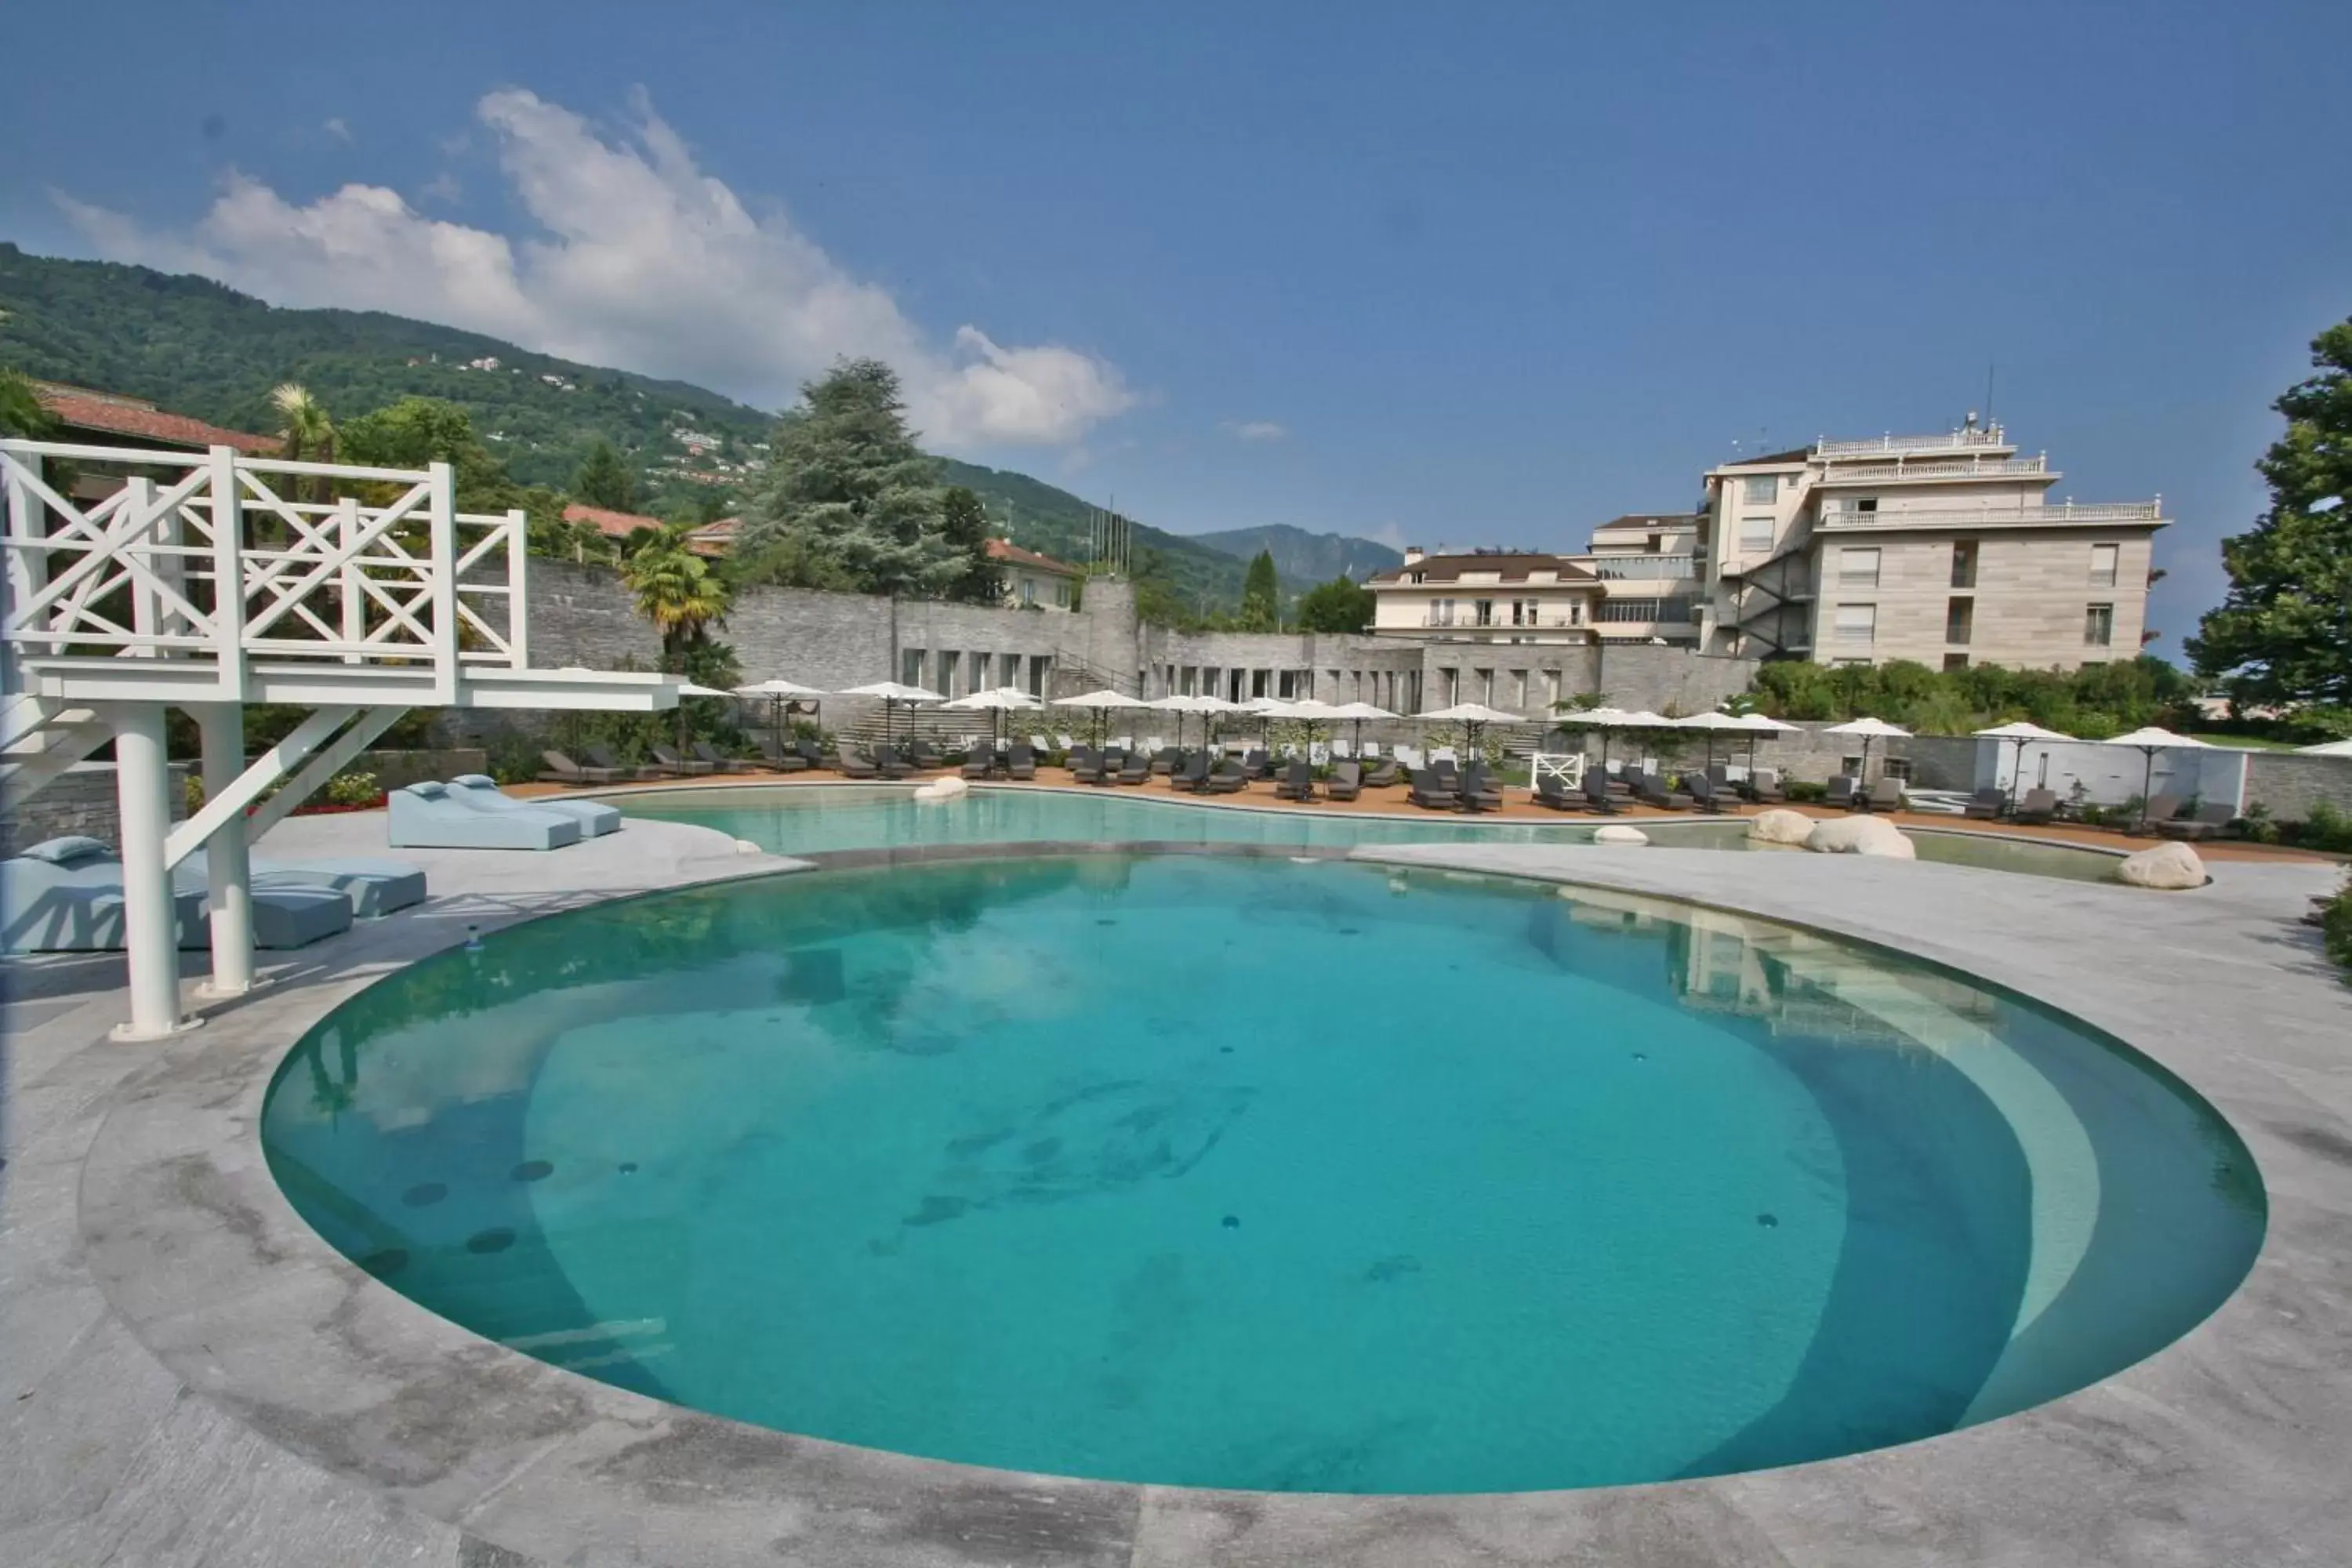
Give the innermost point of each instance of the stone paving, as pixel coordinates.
(193, 1377)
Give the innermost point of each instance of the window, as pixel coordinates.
(1755, 535)
(1452, 679)
(1858, 568)
(948, 662)
(1061, 595)
(1028, 592)
(1759, 490)
(1515, 695)
(1039, 665)
(1956, 661)
(1484, 610)
(2103, 564)
(910, 666)
(1959, 620)
(1851, 766)
(2098, 626)
(980, 663)
(1964, 564)
(1857, 623)
(1189, 678)
(1285, 686)
(1552, 687)
(1483, 682)
(1897, 768)
(1440, 612)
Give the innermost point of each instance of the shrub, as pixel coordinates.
(1803, 790)
(352, 789)
(2335, 928)
(2327, 829)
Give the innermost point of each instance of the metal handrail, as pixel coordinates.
(2061, 513)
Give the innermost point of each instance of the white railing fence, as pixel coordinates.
(2059, 514)
(1940, 468)
(1948, 441)
(216, 558)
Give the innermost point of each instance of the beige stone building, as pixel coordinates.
(1639, 582)
(1034, 581)
(1943, 549)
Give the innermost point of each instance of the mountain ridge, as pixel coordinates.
(197, 346)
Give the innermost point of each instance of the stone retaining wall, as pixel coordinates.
(80, 800)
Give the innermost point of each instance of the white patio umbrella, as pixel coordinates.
(1759, 726)
(2020, 734)
(1182, 703)
(778, 693)
(1869, 729)
(2148, 741)
(1359, 711)
(1101, 702)
(1711, 724)
(993, 701)
(1606, 719)
(1311, 713)
(2327, 749)
(894, 694)
(1473, 717)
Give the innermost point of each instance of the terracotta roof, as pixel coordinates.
(610, 525)
(715, 538)
(1510, 568)
(81, 408)
(1004, 550)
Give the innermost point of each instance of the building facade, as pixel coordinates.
(1942, 549)
(1637, 582)
(1034, 581)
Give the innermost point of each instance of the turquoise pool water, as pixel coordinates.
(805, 820)
(1239, 1171)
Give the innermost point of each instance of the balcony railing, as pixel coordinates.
(1970, 439)
(1904, 471)
(1499, 624)
(2063, 514)
(1612, 567)
(209, 559)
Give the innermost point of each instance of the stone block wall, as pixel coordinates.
(2291, 785)
(80, 800)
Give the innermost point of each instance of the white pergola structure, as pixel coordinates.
(381, 598)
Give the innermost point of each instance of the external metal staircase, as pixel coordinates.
(208, 581)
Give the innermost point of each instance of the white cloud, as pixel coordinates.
(1254, 430)
(443, 187)
(338, 129)
(1389, 534)
(638, 259)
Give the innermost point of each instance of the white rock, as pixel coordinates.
(1779, 827)
(745, 846)
(941, 789)
(2166, 866)
(1618, 833)
(1860, 836)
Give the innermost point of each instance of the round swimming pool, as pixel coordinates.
(1240, 1172)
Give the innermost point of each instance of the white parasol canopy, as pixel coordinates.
(2019, 733)
(2148, 741)
(992, 702)
(1470, 714)
(778, 691)
(1868, 729)
(893, 694)
(1100, 702)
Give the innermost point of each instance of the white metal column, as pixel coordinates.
(227, 868)
(143, 779)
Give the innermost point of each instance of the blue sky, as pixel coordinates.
(1482, 274)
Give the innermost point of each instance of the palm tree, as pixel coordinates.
(677, 590)
(307, 434)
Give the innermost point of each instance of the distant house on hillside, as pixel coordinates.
(612, 525)
(1032, 580)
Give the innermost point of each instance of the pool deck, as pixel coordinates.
(193, 1378)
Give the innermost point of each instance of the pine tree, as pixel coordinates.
(965, 522)
(2285, 633)
(605, 480)
(849, 486)
(1261, 595)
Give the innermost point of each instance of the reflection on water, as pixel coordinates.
(1241, 1173)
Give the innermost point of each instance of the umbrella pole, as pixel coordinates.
(2147, 781)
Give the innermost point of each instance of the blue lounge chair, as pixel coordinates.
(374, 888)
(431, 816)
(481, 790)
(66, 896)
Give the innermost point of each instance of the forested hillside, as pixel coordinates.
(1303, 557)
(197, 347)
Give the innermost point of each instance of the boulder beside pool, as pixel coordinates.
(1860, 836)
(942, 789)
(1779, 827)
(2168, 865)
(1618, 833)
